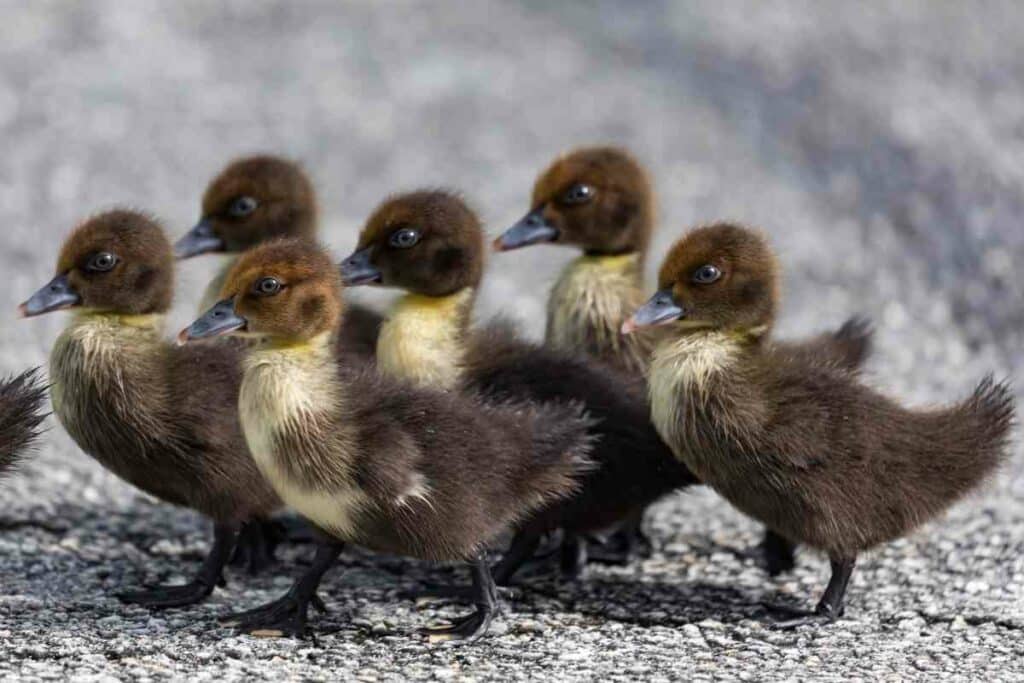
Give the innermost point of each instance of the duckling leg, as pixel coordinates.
(257, 542)
(830, 607)
(472, 626)
(777, 552)
(521, 549)
(573, 556)
(199, 588)
(623, 545)
(287, 615)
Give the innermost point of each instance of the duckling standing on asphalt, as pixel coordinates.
(130, 399)
(802, 446)
(600, 200)
(431, 244)
(21, 398)
(374, 461)
(255, 199)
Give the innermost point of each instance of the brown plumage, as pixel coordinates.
(21, 399)
(376, 461)
(430, 244)
(129, 398)
(255, 199)
(800, 445)
(600, 200)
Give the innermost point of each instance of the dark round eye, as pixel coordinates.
(101, 262)
(267, 286)
(578, 194)
(242, 206)
(404, 238)
(706, 274)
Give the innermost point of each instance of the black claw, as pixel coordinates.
(284, 617)
(163, 597)
(469, 628)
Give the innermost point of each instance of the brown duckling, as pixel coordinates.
(375, 461)
(129, 398)
(803, 446)
(255, 199)
(431, 245)
(600, 200)
(21, 398)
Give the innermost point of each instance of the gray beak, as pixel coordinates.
(55, 295)
(357, 269)
(659, 310)
(198, 240)
(219, 320)
(531, 229)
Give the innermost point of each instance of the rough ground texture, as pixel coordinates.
(881, 150)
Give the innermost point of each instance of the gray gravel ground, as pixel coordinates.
(881, 149)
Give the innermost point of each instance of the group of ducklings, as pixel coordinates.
(424, 435)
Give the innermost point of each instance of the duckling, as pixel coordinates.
(371, 460)
(600, 200)
(21, 398)
(129, 398)
(255, 199)
(803, 446)
(431, 245)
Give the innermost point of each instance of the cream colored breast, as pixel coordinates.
(679, 378)
(286, 395)
(422, 339)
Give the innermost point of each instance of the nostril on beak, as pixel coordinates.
(533, 219)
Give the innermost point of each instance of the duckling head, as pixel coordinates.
(427, 242)
(286, 291)
(117, 262)
(597, 198)
(252, 200)
(720, 277)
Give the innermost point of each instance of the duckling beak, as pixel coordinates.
(660, 309)
(531, 229)
(55, 295)
(221, 319)
(357, 269)
(198, 240)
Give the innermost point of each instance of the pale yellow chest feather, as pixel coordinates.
(422, 341)
(287, 393)
(590, 301)
(680, 372)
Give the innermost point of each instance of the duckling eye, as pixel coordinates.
(101, 262)
(267, 286)
(706, 274)
(578, 194)
(242, 206)
(404, 238)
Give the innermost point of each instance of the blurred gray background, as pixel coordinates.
(881, 146)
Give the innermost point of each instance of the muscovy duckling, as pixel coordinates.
(129, 398)
(21, 398)
(374, 461)
(802, 446)
(431, 245)
(255, 199)
(600, 200)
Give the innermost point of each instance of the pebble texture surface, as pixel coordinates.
(881, 150)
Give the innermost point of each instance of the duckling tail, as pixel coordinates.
(973, 436)
(20, 401)
(562, 441)
(852, 343)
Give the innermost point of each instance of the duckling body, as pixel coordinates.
(801, 445)
(127, 397)
(386, 464)
(21, 398)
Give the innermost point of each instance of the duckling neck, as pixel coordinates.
(211, 294)
(424, 338)
(590, 301)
